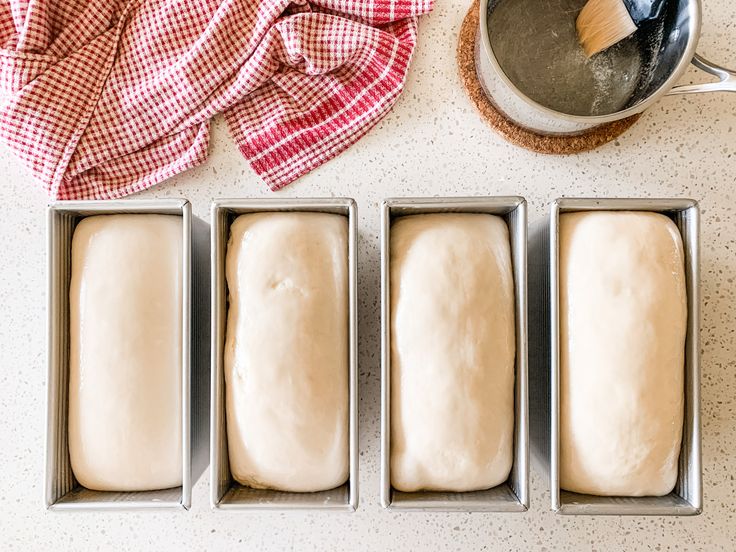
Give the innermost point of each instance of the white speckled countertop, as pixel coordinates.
(432, 143)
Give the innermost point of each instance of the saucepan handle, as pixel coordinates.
(726, 79)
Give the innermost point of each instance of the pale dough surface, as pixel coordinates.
(286, 351)
(623, 316)
(125, 358)
(452, 352)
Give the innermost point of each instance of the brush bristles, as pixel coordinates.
(603, 23)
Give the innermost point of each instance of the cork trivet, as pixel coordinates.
(513, 132)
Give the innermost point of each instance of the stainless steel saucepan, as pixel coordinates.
(531, 64)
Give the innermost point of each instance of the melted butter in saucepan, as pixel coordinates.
(536, 45)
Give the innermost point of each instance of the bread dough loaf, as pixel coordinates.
(286, 351)
(452, 352)
(125, 356)
(623, 316)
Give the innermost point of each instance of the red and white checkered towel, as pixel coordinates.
(102, 98)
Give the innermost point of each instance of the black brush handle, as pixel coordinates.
(644, 10)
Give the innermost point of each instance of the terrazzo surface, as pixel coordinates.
(432, 143)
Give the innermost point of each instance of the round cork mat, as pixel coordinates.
(511, 130)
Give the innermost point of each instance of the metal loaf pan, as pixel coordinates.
(62, 491)
(227, 494)
(513, 495)
(686, 498)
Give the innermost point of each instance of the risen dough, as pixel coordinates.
(125, 352)
(452, 352)
(286, 353)
(623, 315)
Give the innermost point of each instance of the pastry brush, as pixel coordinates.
(603, 23)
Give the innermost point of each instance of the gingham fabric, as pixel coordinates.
(102, 98)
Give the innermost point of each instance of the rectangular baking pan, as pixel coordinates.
(62, 491)
(513, 495)
(227, 494)
(686, 498)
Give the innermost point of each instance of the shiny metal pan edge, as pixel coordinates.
(513, 495)
(225, 495)
(61, 491)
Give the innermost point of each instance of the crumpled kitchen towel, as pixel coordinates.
(103, 98)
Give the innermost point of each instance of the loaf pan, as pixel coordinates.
(513, 495)
(686, 498)
(62, 491)
(227, 494)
